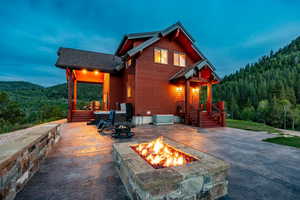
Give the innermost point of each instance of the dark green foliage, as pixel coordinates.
(288, 141)
(10, 113)
(23, 104)
(267, 91)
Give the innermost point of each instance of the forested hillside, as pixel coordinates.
(266, 91)
(24, 103)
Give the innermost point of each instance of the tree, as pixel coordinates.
(248, 113)
(262, 110)
(285, 106)
(10, 111)
(295, 116)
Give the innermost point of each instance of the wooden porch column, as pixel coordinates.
(74, 95)
(70, 94)
(105, 92)
(209, 98)
(187, 101)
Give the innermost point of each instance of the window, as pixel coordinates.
(179, 59)
(129, 94)
(161, 56)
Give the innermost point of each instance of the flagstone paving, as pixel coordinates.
(81, 167)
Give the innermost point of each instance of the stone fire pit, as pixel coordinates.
(204, 178)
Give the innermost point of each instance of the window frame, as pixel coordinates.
(160, 50)
(179, 53)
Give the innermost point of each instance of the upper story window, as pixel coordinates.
(179, 59)
(161, 56)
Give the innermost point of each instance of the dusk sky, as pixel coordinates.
(229, 33)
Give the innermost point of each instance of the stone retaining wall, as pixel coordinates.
(21, 158)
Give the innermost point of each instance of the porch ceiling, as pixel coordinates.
(89, 76)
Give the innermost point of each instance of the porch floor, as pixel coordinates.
(81, 167)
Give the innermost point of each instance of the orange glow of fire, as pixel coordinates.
(160, 154)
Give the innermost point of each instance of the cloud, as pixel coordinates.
(277, 36)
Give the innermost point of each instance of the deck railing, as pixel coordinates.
(218, 113)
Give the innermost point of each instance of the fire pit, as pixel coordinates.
(159, 154)
(164, 169)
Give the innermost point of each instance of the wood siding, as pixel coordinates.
(153, 91)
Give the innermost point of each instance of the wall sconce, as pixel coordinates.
(195, 90)
(179, 89)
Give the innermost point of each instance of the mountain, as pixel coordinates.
(18, 85)
(273, 81)
(21, 89)
(38, 104)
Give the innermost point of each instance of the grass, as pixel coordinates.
(252, 126)
(293, 141)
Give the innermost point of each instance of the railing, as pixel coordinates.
(218, 113)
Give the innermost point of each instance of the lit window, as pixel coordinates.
(129, 92)
(179, 59)
(161, 56)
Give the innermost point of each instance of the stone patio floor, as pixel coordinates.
(81, 167)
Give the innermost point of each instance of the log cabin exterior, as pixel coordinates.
(160, 72)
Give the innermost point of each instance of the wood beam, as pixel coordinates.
(70, 94)
(187, 101)
(74, 94)
(105, 92)
(209, 98)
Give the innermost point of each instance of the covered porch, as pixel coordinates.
(196, 84)
(87, 67)
(75, 76)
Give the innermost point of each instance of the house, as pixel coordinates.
(160, 72)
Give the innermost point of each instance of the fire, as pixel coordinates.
(160, 154)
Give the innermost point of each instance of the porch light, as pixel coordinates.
(194, 90)
(179, 89)
(96, 72)
(84, 71)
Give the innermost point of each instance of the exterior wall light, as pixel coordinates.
(195, 90)
(179, 89)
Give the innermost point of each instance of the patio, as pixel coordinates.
(81, 167)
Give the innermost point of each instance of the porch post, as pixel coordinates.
(75, 95)
(187, 101)
(105, 92)
(70, 94)
(209, 98)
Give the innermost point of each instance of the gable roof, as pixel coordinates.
(154, 37)
(79, 59)
(188, 72)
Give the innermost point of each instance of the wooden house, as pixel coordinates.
(161, 72)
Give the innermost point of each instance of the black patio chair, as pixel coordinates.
(105, 126)
(117, 129)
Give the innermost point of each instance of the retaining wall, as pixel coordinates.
(20, 158)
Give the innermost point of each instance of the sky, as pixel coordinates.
(230, 33)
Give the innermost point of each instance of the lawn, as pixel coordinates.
(293, 141)
(253, 126)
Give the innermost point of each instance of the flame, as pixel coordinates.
(159, 154)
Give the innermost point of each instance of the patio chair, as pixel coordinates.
(107, 125)
(120, 129)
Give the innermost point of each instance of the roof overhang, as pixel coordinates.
(189, 72)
